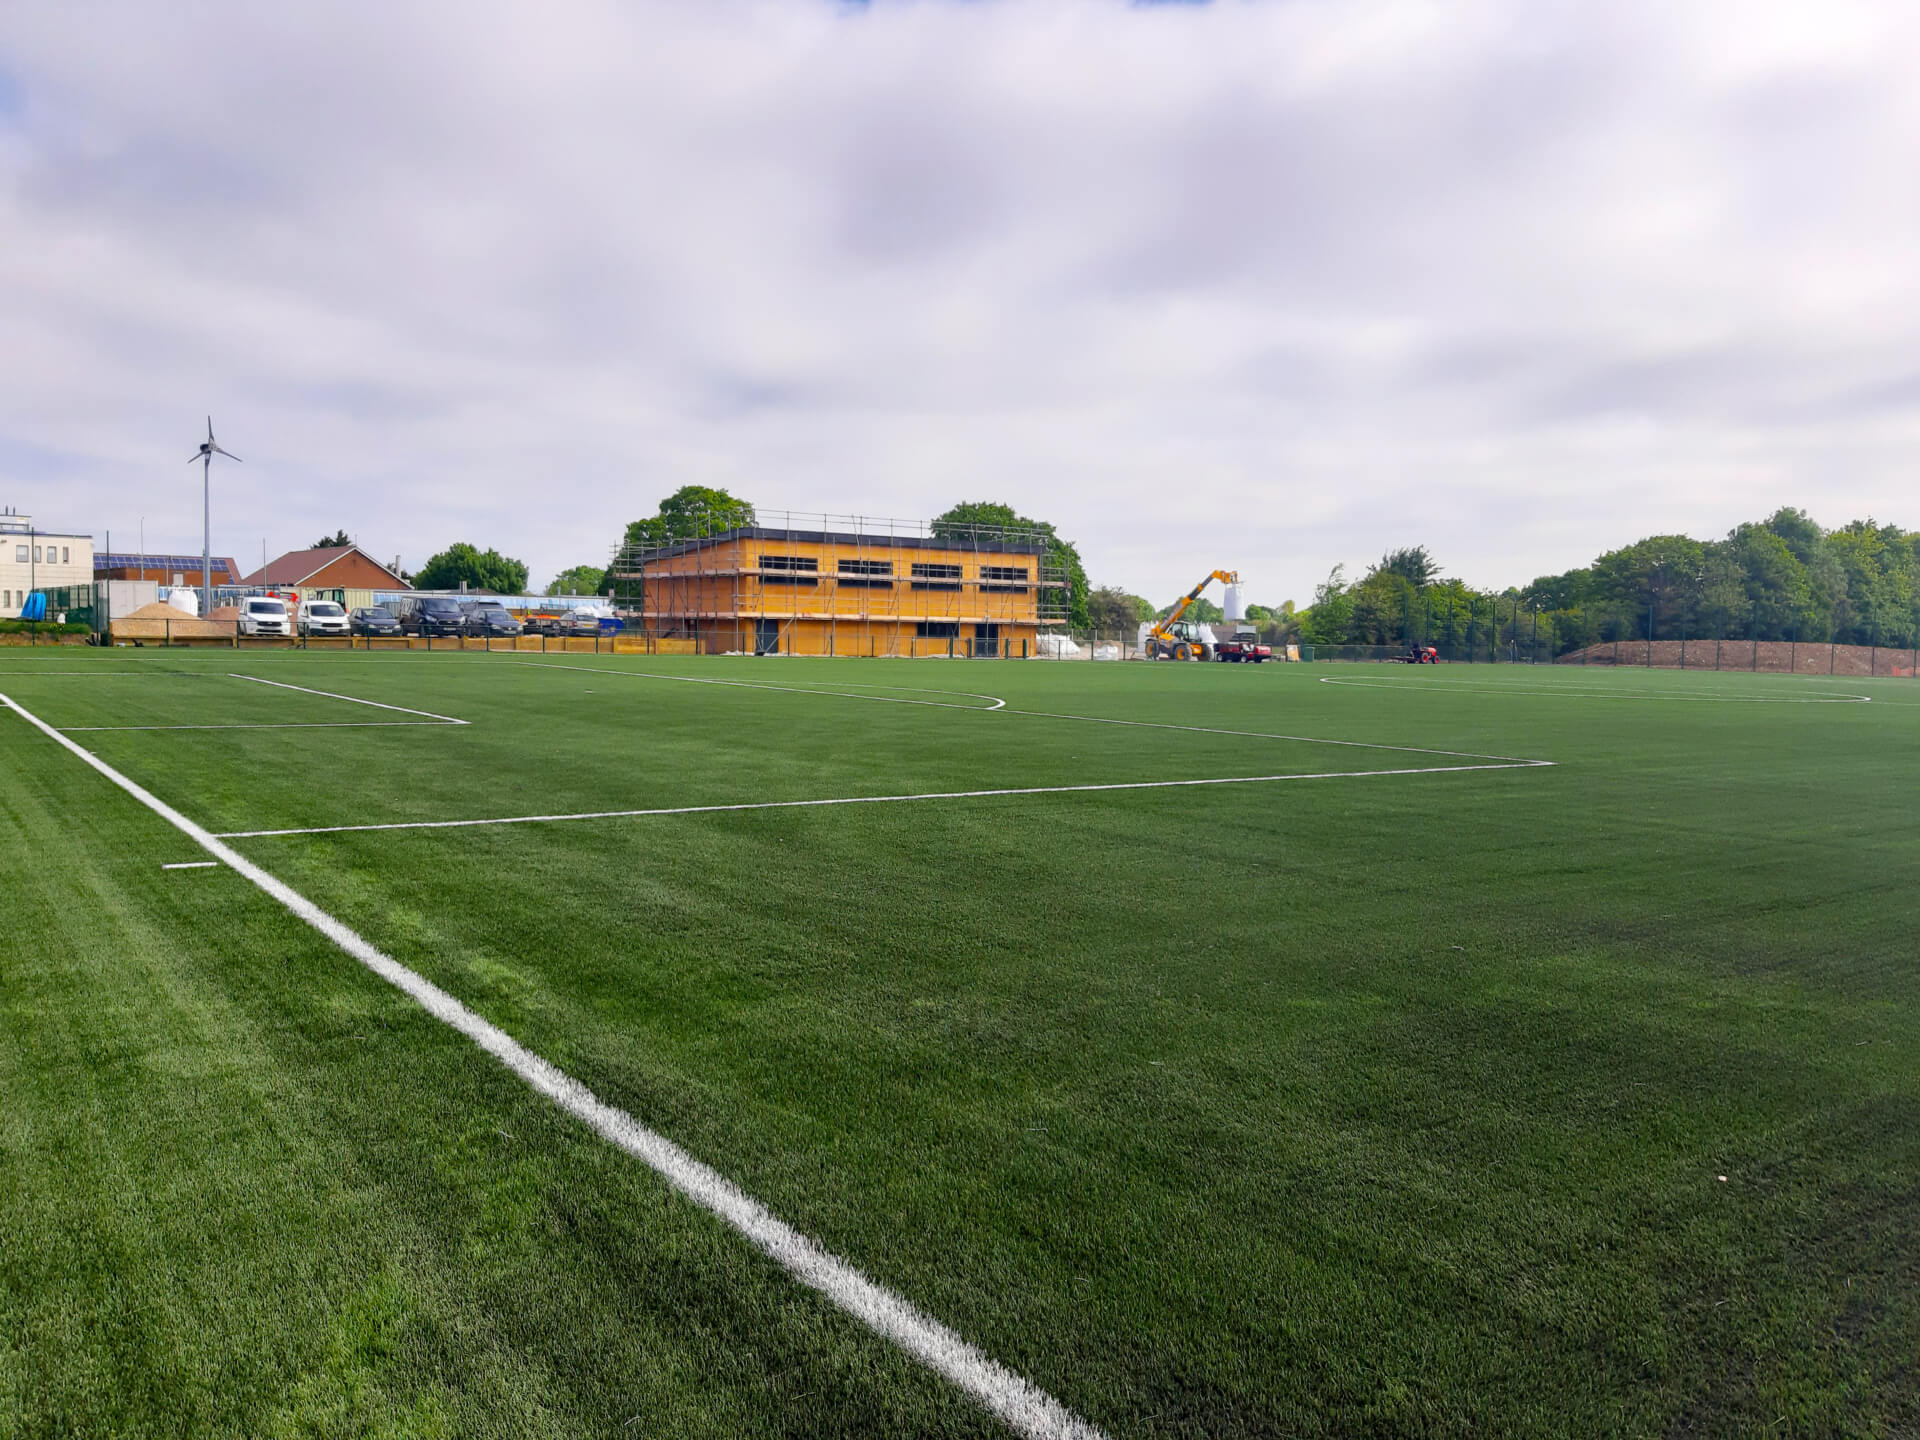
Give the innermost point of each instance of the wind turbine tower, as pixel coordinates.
(209, 448)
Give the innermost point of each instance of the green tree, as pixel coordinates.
(578, 580)
(1384, 607)
(1568, 591)
(335, 541)
(690, 511)
(1800, 531)
(1773, 577)
(979, 521)
(1276, 624)
(1326, 620)
(1112, 611)
(1879, 566)
(1413, 564)
(477, 569)
(1663, 574)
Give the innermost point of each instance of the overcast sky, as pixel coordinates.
(1262, 285)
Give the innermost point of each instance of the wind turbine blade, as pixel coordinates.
(229, 454)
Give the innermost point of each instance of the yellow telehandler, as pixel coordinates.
(1171, 638)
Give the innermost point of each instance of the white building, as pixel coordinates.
(33, 559)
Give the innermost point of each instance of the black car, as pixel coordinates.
(434, 615)
(487, 618)
(372, 620)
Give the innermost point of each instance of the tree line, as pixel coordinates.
(1782, 578)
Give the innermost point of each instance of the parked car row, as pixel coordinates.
(428, 615)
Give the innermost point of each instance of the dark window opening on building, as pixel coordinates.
(866, 567)
(938, 629)
(788, 562)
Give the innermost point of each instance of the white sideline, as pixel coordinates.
(1021, 1404)
(350, 699)
(875, 800)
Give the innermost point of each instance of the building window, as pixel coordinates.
(866, 567)
(938, 630)
(20, 553)
(807, 580)
(36, 554)
(66, 554)
(789, 562)
(936, 572)
(1004, 572)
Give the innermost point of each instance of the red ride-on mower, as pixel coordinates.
(1418, 655)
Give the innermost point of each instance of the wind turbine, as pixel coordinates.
(209, 448)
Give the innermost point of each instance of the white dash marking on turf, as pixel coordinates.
(192, 865)
(998, 703)
(350, 699)
(877, 800)
(1025, 1407)
(1047, 714)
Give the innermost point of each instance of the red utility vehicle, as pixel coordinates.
(1244, 647)
(1419, 655)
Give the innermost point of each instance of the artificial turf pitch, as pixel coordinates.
(1569, 1100)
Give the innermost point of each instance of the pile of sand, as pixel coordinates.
(160, 621)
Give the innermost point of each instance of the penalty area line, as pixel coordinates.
(1018, 1402)
(350, 699)
(874, 800)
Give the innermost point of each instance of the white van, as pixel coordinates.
(322, 617)
(264, 615)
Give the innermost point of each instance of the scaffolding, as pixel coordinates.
(864, 586)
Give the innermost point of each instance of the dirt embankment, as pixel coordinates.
(1777, 657)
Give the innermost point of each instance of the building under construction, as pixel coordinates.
(847, 585)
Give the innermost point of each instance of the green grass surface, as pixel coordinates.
(1355, 1106)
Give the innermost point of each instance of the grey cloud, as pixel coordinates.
(1517, 280)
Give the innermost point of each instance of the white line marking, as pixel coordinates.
(193, 865)
(1296, 739)
(1045, 714)
(789, 689)
(278, 725)
(998, 703)
(1025, 1407)
(350, 699)
(1449, 687)
(876, 800)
